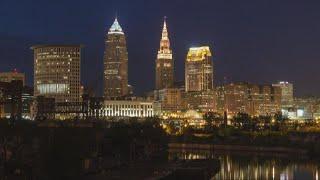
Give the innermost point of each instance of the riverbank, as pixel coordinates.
(216, 147)
(231, 139)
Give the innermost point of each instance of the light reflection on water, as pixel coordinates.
(255, 166)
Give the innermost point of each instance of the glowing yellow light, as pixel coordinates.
(198, 53)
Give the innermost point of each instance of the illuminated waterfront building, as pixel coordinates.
(252, 99)
(12, 76)
(115, 63)
(57, 72)
(164, 62)
(171, 99)
(203, 101)
(264, 100)
(15, 100)
(286, 93)
(303, 109)
(129, 108)
(235, 98)
(199, 69)
(220, 101)
(27, 99)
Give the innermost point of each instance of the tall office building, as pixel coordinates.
(199, 69)
(115, 63)
(57, 72)
(286, 93)
(12, 76)
(164, 62)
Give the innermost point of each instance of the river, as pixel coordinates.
(246, 166)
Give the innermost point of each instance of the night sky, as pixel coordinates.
(260, 41)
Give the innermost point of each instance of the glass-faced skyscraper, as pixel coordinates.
(199, 69)
(115, 63)
(164, 62)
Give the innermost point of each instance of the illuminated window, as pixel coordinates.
(52, 88)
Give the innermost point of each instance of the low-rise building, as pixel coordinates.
(202, 101)
(170, 98)
(303, 109)
(129, 108)
(253, 99)
(12, 76)
(15, 100)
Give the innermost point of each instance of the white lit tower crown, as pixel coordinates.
(164, 62)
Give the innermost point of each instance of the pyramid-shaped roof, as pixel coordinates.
(115, 28)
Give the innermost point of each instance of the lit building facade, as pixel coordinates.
(171, 99)
(11, 99)
(15, 100)
(199, 69)
(286, 93)
(115, 63)
(129, 108)
(164, 62)
(307, 108)
(57, 72)
(252, 99)
(235, 98)
(12, 76)
(201, 101)
(27, 100)
(220, 100)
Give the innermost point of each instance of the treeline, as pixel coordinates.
(245, 122)
(66, 150)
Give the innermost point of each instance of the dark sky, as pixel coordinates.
(257, 41)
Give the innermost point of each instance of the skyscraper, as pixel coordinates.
(57, 72)
(199, 69)
(164, 62)
(115, 63)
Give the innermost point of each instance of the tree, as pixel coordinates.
(266, 121)
(243, 121)
(279, 117)
(280, 121)
(213, 119)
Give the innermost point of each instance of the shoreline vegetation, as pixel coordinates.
(291, 142)
(227, 138)
(81, 148)
(251, 133)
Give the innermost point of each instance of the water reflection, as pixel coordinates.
(248, 166)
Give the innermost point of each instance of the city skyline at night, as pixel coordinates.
(273, 46)
(167, 89)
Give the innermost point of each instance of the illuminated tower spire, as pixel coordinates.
(164, 30)
(164, 62)
(165, 42)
